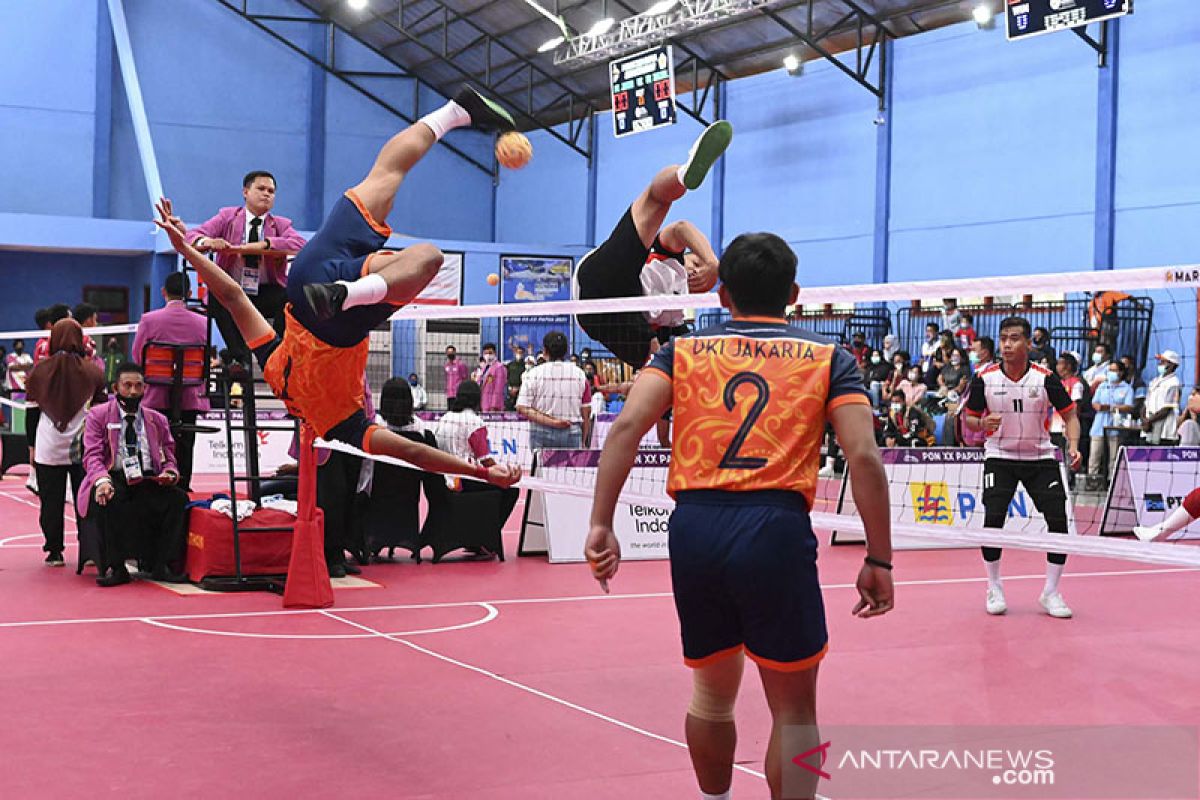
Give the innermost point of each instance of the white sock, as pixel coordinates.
(993, 573)
(446, 119)
(1177, 520)
(679, 176)
(1053, 573)
(726, 795)
(367, 290)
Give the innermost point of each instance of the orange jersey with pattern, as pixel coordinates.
(750, 401)
(319, 383)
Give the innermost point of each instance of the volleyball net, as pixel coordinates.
(917, 346)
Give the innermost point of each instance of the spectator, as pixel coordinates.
(575, 360)
(890, 347)
(982, 353)
(941, 358)
(1162, 401)
(877, 373)
(397, 407)
(3, 373)
(235, 234)
(901, 361)
(1068, 372)
(52, 315)
(18, 365)
(859, 349)
(1134, 377)
(929, 347)
(463, 433)
(1189, 421)
(493, 380)
(515, 370)
(906, 425)
(1041, 346)
(129, 457)
(175, 324)
(556, 398)
(1095, 375)
(63, 385)
(913, 387)
(951, 319)
(1111, 399)
(112, 358)
(954, 376)
(456, 372)
(87, 315)
(420, 398)
(966, 331)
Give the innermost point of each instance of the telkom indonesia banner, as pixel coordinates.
(942, 486)
(446, 287)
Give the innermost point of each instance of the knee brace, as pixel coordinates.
(715, 688)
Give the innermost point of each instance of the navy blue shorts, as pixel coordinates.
(744, 571)
(339, 252)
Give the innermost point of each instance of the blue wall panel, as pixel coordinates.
(49, 278)
(47, 105)
(1158, 176)
(994, 154)
(802, 165)
(546, 202)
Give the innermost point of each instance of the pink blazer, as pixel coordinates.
(230, 224)
(174, 324)
(101, 433)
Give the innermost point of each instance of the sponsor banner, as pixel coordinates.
(446, 287)
(942, 486)
(603, 425)
(1148, 484)
(508, 435)
(561, 521)
(211, 448)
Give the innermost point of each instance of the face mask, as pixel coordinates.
(129, 404)
(1112, 377)
(488, 358)
(899, 366)
(876, 359)
(914, 376)
(451, 356)
(413, 381)
(974, 357)
(897, 408)
(1097, 358)
(1162, 369)
(956, 361)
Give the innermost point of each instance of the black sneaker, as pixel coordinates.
(351, 569)
(55, 560)
(337, 570)
(485, 114)
(114, 578)
(164, 575)
(325, 299)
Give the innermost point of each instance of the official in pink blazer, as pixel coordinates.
(263, 277)
(175, 324)
(131, 485)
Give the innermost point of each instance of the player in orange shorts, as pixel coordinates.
(340, 287)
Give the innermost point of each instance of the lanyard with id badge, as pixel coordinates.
(250, 278)
(131, 461)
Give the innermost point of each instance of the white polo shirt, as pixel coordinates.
(557, 388)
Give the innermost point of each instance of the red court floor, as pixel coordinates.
(522, 680)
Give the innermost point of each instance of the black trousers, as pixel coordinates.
(145, 521)
(1042, 479)
(508, 497)
(52, 491)
(337, 482)
(270, 300)
(185, 446)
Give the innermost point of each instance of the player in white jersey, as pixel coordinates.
(1012, 402)
(640, 257)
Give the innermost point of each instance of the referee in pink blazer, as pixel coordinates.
(234, 234)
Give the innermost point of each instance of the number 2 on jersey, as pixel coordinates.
(731, 459)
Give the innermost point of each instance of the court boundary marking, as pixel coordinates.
(538, 600)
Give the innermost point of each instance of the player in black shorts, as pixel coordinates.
(1011, 401)
(640, 257)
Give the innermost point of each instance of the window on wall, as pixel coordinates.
(112, 302)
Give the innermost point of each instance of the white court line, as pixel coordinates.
(566, 599)
(68, 515)
(491, 613)
(525, 688)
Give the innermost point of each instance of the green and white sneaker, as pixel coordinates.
(486, 115)
(704, 153)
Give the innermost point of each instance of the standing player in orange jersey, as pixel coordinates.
(750, 399)
(340, 287)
